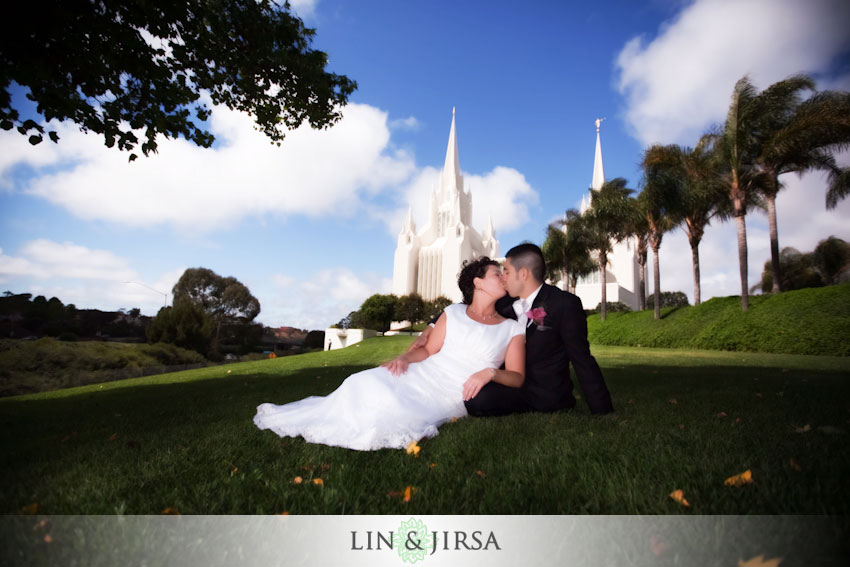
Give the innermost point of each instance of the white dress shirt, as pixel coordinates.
(522, 306)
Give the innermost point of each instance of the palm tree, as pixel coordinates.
(640, 230)
(658, 205)
(801, 136)
(739, 145)
(607, 221)
(696, 175)
(566, 251)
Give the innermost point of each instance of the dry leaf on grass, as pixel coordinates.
(745, 477)
(679, 496)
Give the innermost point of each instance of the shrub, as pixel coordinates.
(610, 307)
(669, 299)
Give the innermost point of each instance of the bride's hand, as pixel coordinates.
(397, 366)
(477, 381)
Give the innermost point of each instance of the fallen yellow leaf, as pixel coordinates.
(113, 437)
(171, 512)
(413, 448)
(759, 561)
(297, 480)
(745, 477)
(30, 509)
(407, 493)
(679, 496)
(673, 401)
(480, 473)
(318, 482)
(48, 538)
(805, 429)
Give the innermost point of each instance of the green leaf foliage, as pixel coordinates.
(129, 69)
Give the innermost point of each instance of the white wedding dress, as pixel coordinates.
(374, 409)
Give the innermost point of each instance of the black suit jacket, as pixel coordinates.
(550, 347)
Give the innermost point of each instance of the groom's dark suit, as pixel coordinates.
(550, 347)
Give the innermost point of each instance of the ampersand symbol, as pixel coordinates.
(409, 540)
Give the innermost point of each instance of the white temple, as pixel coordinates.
(623, 275)
(428, 262)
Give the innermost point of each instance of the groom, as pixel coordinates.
(555, 336)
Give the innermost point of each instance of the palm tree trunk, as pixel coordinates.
(656, 275)
(643, 280)
(741, 225)
(695, 259)
(603, 261)
(774, 242)
(573, 284)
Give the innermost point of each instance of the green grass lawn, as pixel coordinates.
(685, 420)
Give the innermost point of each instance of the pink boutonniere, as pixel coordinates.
(536, 315)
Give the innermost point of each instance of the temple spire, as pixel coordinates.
(451, 168)
(598, 172)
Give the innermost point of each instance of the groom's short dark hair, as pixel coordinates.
(529, 256)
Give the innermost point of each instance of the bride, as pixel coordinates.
(408, 397)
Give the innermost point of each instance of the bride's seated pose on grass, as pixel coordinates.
(410, 396)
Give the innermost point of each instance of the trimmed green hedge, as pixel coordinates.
(806, 321)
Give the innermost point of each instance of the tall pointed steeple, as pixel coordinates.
(598, 172)
(451, 179)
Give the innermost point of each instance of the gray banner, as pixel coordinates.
(581, 541)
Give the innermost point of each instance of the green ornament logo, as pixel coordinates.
(413, 540)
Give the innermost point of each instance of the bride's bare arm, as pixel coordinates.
(399, 364)
(513, 375)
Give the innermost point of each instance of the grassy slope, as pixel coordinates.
(48, 364)
(808, 321)
(685, 419)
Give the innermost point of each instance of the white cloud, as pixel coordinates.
(303, 8)
(679, 83)
(86, 277)
(321, 300)
(312, 173)
(44, 259)
(409, 123)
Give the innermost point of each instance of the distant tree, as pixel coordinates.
(660, 205)
(608, 220)
(699, 196)
(116, 67)
(315, 339)
(378, 311)
(610, 307)
(797, 271)
(566, 251)
(801, 135)
(134, 312)
(410, 308)
(186, 325)
(670, 299)
(832, 259)
(227, 300)
(435, 307)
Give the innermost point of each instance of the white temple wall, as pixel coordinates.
(405, 266)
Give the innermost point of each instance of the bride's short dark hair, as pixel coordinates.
(473, 269)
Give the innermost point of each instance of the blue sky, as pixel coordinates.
(310, 226)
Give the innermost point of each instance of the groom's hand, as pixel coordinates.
(475, 382)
